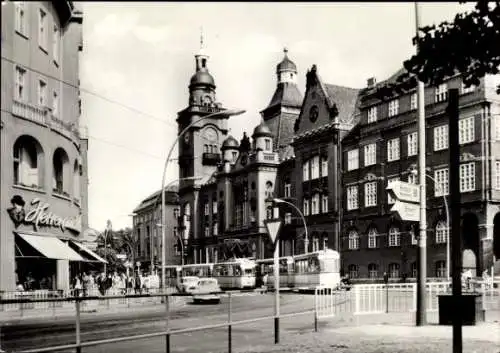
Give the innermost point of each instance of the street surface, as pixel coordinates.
(62, 331)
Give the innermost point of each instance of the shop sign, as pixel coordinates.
(37, 216)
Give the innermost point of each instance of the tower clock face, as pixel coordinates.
(210, 134)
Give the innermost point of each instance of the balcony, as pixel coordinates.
(264, 157)
(204, 109)
(211, 158)
(30, 112)
(64, 128)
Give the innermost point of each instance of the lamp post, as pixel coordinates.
(306, 239)
(228, 113)
(447, 210)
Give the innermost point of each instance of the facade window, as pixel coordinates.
(324, 166)
(414, 269)
(441, 269)
(268, 144)
(42, 29)
(465, 90)
(235, 156)
(467, 177)
(497, 175)
(305, 206)
(76, 181)
(42, 93)
(206, 149)
(353, 271)
(324, 203)
(315, 244)
(214, 207)
(370, 154)
(207, 231)
(55, 43)
(414, 239)
(412, 140)
(371, 194)
(325, 242)
(55, 103)
(353, 159)
(372, 271)
(305, 171)
(412, 179)
(176, 213)
(394, 237)
(372, 115)
(288, 218)
(390, 200)
(440, 137)
(413, 101)
(25, 163)
(441, 233)
(269, 212)
(20, 93)
(394, 270)
(353, 240)
(288, 189)
(269, 189)
(441, 186)
(21, 18)
(441, 93)
(394, 107)
(206, 208)
(466, 130)
(60, 162)
(315, 204)
(215, 228)
(315, 167)
(393, 150)
(372, 238)
(352, 197)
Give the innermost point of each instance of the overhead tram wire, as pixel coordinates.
(150, 116)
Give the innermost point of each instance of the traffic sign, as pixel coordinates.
(273, 227)
(407, 211)
(404, 191)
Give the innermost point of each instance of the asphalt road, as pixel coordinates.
(62, 331)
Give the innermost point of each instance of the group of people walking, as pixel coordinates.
(113, 283)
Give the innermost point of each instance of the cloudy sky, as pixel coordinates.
(138, 59)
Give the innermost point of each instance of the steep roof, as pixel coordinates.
(345, 98)
(153, 199)
(286, 94)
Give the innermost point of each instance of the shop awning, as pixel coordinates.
(51, 247)
(92, 254)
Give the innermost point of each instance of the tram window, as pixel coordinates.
(237, 270)
(249, 271)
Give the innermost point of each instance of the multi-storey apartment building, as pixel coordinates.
(43, 149)
(148, 234)
(383, 147)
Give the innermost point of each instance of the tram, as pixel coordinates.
(239, 273)
(197, 270)
(286, 265)
(317, 269)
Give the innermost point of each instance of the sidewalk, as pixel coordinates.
(483, 338)
(92, 310)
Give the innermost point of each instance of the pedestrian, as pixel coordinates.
(77, 286)
(137, 283)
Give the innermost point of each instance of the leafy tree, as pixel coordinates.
(469, 45)
(129, 244)
(114, 263)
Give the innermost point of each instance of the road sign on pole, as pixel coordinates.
(273, 226)
(407, 211)
(404, 191)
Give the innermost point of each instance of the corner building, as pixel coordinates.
(383, 147)
(43, 196)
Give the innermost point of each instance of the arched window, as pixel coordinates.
(205, 149)
(324, 238)
(372, 270)
(324, 166)
(269, 189)
(441, 269)
(394, 237)
(353, 271)
(441, 232)
(27, 155)
(76, 180)
(394, 270)
(60, 171)
(372, 238)
(315, 242)
(353, 240)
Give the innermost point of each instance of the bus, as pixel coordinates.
(286, 264)
(317, 269)
(172, 275)
(239, 273)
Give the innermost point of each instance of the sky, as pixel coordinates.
(138, 59)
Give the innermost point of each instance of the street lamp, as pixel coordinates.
(228, 113)
(447, 210)
(306, 239)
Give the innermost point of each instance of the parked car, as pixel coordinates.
(206, 291)
(188, 283)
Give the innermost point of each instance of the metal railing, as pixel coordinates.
(167, 333)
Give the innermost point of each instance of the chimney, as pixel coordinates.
(371, 82)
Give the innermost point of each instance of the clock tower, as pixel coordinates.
(199, 147)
